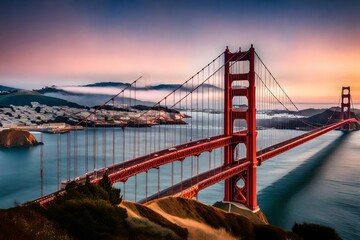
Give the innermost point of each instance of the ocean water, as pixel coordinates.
(317, 182)
(323, 189)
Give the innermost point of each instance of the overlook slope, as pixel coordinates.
(189, 219)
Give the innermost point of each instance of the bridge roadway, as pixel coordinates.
(122, 171)
(190, 187)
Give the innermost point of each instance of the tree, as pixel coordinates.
(90, 211)
(114, 193)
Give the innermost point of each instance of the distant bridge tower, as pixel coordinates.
(345, 106)
(242, 187)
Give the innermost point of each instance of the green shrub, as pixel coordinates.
(269, 232)
(309, 231)
(90, 211)
(104, 191)
(89, 218)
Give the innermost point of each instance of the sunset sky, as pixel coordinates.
(311, 48)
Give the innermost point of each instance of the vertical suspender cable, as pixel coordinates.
(181, 174)
(94, 141)
(172, 177)
(124, 190)
(75, 153)
(68, 156)
(146, 187)
(104, 139)
(113, 131)
(58, 160)
(159, 182)
(86, 147)
(135, 186)
(41, 166)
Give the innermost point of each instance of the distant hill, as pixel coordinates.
(84, 99)
(49, 90)
(311, 112)
(6, 88)
(93, 99)
(172, 87)
(169, 87)
(331, 116)
(106, 84)
(23, 98)
(90, 100)
(305, 112)
(324, 117)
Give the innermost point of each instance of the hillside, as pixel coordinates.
(91, 211)
(84, 99)
(93, 94)
(203, 221)
(331, 116)
(23, 98)
(190, 219)
(311, 112)
(28, 223)
(169, 87)
(107, 84)
(6, 88)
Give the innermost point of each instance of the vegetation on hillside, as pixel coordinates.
(89, 211)
(309, 231)
(28, 223)
(239, 226)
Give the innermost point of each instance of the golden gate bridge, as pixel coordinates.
(230, 130)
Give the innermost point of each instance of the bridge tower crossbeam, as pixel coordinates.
(246, 192)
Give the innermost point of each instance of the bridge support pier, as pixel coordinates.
(242, 187)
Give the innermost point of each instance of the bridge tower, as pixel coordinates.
(345, 106)
(242, 187)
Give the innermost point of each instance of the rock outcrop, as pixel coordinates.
(16, 138)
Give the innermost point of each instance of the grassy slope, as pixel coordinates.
(209, 223)
(204, 222)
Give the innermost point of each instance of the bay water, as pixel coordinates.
(317, 182)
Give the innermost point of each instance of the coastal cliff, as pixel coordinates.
(16, 138)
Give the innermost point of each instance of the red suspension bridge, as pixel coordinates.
(219, 125)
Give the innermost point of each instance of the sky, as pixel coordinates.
(311, 47)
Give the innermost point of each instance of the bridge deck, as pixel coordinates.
(122, 171)
(192, 186)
